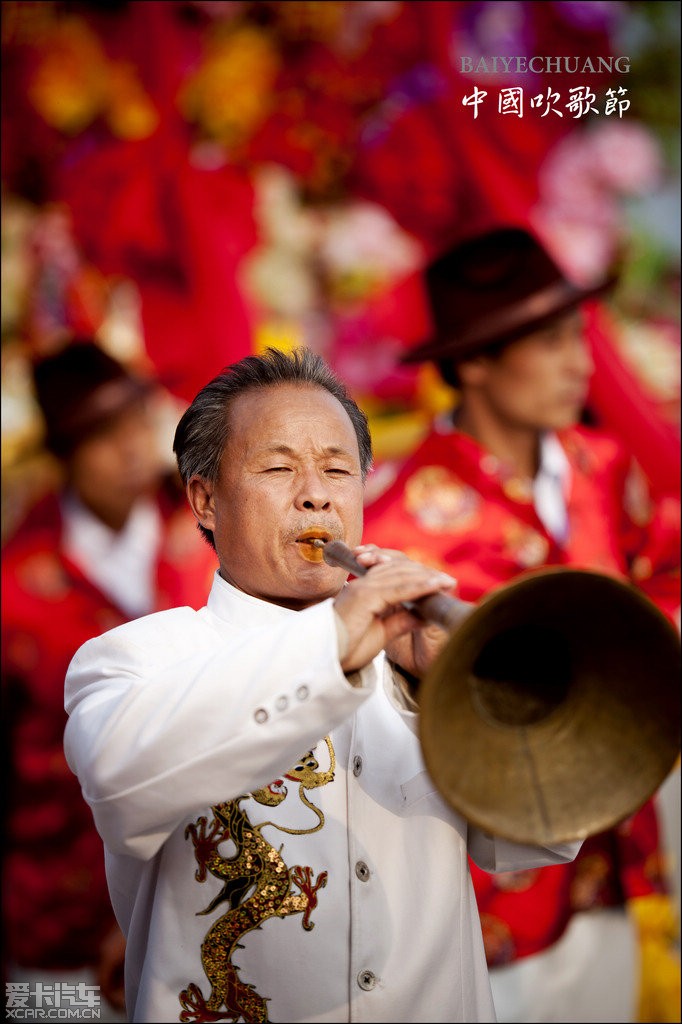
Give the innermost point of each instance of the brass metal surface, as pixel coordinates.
(553, 712)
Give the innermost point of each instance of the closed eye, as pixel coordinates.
(334, 470)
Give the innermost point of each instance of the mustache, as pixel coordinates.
(313, 528)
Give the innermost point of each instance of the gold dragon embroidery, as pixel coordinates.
(257, 885)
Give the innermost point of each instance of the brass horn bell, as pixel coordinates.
(553, 712)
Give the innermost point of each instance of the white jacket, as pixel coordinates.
(275, 847)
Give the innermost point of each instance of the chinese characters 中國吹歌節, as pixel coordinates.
(581, 101)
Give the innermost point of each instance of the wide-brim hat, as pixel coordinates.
(79, 389)
(494, 288)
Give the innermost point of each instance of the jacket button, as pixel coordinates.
(367, 980)
(357, 765)
(261, 715)
(302, 692)
(282, 703)
(362, 871)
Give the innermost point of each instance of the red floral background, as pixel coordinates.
(192, 181)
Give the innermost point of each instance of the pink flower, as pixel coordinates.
(625, 156)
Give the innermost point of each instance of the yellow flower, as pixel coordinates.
(433, 394)
(68, 88)
(658, 929)
(75, 83)
(281, 334)
(131, 114)
(231, 93)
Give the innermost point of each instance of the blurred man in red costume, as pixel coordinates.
(508, 483)
(116, 542)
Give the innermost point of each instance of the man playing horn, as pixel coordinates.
(275, 848)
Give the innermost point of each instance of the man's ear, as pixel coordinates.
(200, 497)
(474, 371)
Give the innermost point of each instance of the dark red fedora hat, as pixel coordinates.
(494, 288)
(79, 388)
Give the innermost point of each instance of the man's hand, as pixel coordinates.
(416, 651)
(370, 607)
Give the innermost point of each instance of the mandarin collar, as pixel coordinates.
(234, 606)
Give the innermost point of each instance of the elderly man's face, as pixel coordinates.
(290, 470)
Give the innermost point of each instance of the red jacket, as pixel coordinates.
(56, 903)
(452, 505)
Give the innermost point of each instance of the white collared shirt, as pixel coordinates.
(121, 563)
(551, 487)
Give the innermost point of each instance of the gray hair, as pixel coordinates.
(203, 431)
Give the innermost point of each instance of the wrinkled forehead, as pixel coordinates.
(287, 415)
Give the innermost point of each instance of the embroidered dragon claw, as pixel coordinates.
(195, 1008)
(205, 843)
(302, 876)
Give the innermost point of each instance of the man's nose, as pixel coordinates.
(580, 358)
(586, 360)
(312, 492)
